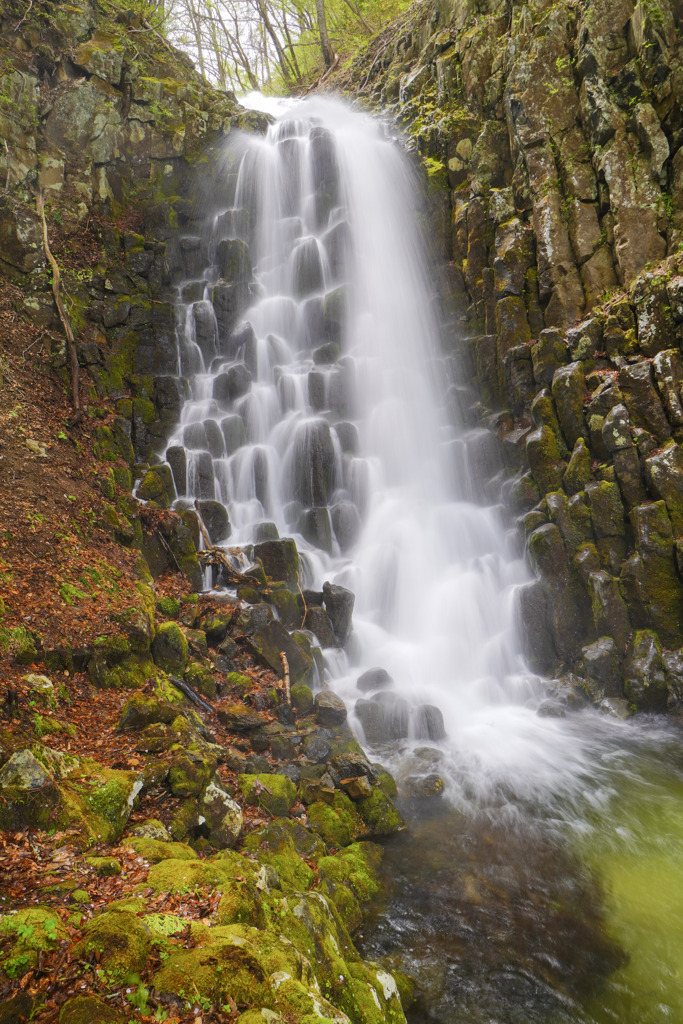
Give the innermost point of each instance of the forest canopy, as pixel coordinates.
(280, 46)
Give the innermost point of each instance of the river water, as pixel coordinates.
(545, 883)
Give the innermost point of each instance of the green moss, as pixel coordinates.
(169, 606)
(89, 1010)
(302, 699)
(30, 931)
(188, 777)
(184, 875)
(122, 941)
(274, 793)
(238, 681)
(337, 825)
(379, 814)
(201, 678)
(170, 648)
(223, 968)
(19, 644)
(104, 866)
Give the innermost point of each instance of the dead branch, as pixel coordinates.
(285, 671)
(214, 556)
(7, 180)
(190, 693)
(28, 11)
(303, 599)
(63, 316)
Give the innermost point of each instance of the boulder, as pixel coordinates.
(330, 709)
(170, 648)
(339, 604)
(267, 643)
(274, 793)
(222, 816)
(374, 679)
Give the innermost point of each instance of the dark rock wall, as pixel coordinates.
(115, 126)
(554, 129)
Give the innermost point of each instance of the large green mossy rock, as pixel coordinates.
(170, 648)
(644, 677)
(274, 793)
(89, 1010)
(120, 939)
(27, 933)
(184, 875)
(43, 789)
(154, 850)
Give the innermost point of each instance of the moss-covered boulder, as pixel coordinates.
(154, 850)
(28, 933)
(121, 941)
(89, 1010)
(170, 649)
(189, 774)
(106, 867)
(183, 875)
(157, 485)
(140, 711)
(302, 699)
(42, 789)
(200, 678)
(274, 793)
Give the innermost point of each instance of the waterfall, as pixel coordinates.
(323, 406)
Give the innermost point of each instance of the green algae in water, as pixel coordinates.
(637, 847)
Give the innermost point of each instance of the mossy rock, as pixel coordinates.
(274, 793)
(122, 941)
(338, 824)
(379, 814)
(224, 968)
(170, 648)
(201, 679)
(132, 674)
(155, 851)
(93, 800)
(157, 486)
(151, 828)
(238, 681)
(184, 875)
(188, 776)
(30, 931)
(89, 1010)
(240, 904)
(302, 699)
(169, 606)
(19, 644)
(140, 711)
(106, 867)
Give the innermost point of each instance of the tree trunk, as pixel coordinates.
(322, 30)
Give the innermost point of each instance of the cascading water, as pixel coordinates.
(322, 406)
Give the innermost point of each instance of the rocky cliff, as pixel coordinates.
(551, 136)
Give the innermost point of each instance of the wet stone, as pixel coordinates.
(429, 724)
(216, 520)
(316, 749)
(330, 709)
(232, 384)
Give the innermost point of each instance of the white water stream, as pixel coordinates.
(322, 407)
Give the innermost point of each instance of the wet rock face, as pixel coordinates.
(560, 159)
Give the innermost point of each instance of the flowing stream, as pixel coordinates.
(545, 884)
